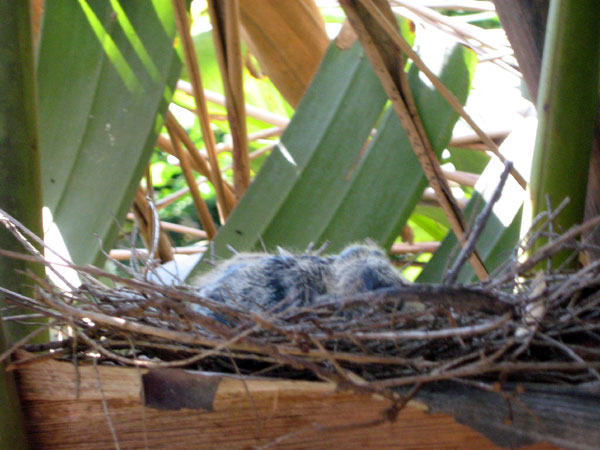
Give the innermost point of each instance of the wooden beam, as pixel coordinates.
(243, 413)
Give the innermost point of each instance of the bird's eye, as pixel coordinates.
(372, 279)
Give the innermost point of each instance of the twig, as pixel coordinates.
(19, 231)
(568, 351)
(426, 334)
(21, 342)
(252, 111)
(384, 59)
(441, 88)
(199, 203)
(547, 250)
(477, 228)
(105, 407)
(191, 62)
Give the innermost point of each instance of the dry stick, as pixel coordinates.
(118, 344)
(477, 228)
(149, 183)
(180, 193)
(256, 153)
(466, 139)
(237, 342)
(441, 88)
(547, 251)
(198, 160)
(177, 228)
(224, 17)
(24, 317)
(241, 159)
(159, 237)
(528, 241)
(160, 242)
(463, 5)
(21, 342)
(201, 208)
(348, 375)
(435, 176)
(139, 362)
(568, 351)
(482, 368)
(256, 136)
(27, 302)
(191, 63)
(252, 111)
(427, 334)
(154, 238)
(123, 254)
(418, 247)
(460, 177)
(440, 374)
(200, 164)
(20, 231)
(464, 29)
(164, 143)
(113, 431)
(400, 95)
(51, 355)
(576, 282)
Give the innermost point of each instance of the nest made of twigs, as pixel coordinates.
(515, 326)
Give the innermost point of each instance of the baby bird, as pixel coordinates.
(259, 282)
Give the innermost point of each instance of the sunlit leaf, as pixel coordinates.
(106, 72)
(429, 223)
(322, 182)
(467, 160)
(494, 246)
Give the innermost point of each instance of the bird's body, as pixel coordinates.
(260, 282)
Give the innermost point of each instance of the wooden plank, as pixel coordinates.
(245, 413)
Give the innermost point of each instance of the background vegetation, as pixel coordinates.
(209, 123)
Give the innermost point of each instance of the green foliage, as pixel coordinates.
(321, 183)
(101, 108)
(259, 92)
(429, 223)
(19, 193)
(567, 106)
(467, 160)
(494, 246)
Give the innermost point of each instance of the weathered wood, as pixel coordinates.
(287, 414)
(521, 414)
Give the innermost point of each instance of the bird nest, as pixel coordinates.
(523, 324)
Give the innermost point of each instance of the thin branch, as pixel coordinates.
(201, 208)
(425, 335)
(477, 229)
(441, 88)
(198, 160)
(395, 83)
(177, 228)
(191, 63)
(224, 16)
(251, 111)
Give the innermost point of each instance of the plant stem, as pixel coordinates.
(567, 102)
